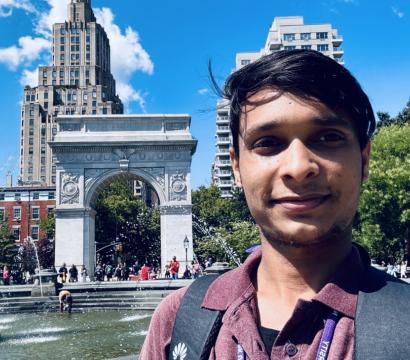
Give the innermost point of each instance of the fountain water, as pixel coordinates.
(206, 230)
(29, 239)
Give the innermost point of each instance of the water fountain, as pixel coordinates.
(207, 230)
(30, 240)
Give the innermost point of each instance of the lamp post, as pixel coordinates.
(186, 244)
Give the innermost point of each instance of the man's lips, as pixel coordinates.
(301, 203)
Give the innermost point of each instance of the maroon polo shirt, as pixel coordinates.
(235, 294)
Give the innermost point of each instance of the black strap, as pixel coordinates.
(382, 318)
(195, 328)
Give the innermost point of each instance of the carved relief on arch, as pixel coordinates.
(178, 186)
(69, 188)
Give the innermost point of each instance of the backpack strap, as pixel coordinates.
(382, 317)
(195, 328)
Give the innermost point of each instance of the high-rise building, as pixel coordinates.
(286, 33)
(79, 81)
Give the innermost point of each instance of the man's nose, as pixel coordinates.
(298, 162)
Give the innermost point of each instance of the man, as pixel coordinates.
(63, 273)
(66, 301)
(73, 274)
(174, 268)
(301, 128)
(145, 272)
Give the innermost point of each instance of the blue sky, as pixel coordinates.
(160, 51)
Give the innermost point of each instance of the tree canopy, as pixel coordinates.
(384, 210)
(123, 219)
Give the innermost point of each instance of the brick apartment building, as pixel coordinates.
(23, 207)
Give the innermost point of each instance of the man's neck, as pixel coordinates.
(288, 273)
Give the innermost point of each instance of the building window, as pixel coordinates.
(289, 37)
(35, 213)
(305, 36)
(321, 35)
(17, 196)
(289, 47)
(17, 213)
(51, 195)
(36, 195)
(15, 233)
(50, 210)
(1, 196)
(245, 62)
(306, 47)
(62, 31)
(323, 47)
(34, 232)
(1, 214)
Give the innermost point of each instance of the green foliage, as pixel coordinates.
(123, 218)
(384, 214)
(226, 218)
(8, 247)
(48, 225)
(401, 119)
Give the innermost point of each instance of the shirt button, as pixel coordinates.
(291, 349)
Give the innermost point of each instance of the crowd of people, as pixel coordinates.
(122, 272)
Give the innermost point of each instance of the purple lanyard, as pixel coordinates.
(325, 341)
(327, 335)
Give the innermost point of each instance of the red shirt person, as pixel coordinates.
(145, 270)
(174, 267)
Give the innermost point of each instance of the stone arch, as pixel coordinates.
(90, 150)
(93, 190)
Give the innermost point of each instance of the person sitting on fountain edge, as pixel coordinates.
(66, 301)
(301, 128)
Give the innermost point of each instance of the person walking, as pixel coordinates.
(174, 268)
(6, 275)
(403, 269)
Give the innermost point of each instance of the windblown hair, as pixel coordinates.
(307, 74)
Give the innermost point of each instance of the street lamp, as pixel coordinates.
(186, 244)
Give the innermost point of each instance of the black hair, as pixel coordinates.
(307, 74)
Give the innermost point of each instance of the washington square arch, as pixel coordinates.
(91, 151)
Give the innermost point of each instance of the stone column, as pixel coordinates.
(176, 223)
(74, 243)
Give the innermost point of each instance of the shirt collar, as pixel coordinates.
(340, 293)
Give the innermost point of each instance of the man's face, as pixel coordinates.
(300, 166)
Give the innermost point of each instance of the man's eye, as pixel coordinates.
(267, 142)
(330, 137)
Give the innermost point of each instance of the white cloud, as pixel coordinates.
(203, 91)
(397, 12)
(27, 51)
(29, 77)
(128, 94)
(127, 57)
(56, 14)
(7, 6)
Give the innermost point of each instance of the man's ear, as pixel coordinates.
(365, 161)
(235, 166)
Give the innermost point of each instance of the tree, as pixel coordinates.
(8, 247)
(122, 218)
(218, 221)
(48, 226)
(384, 210)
